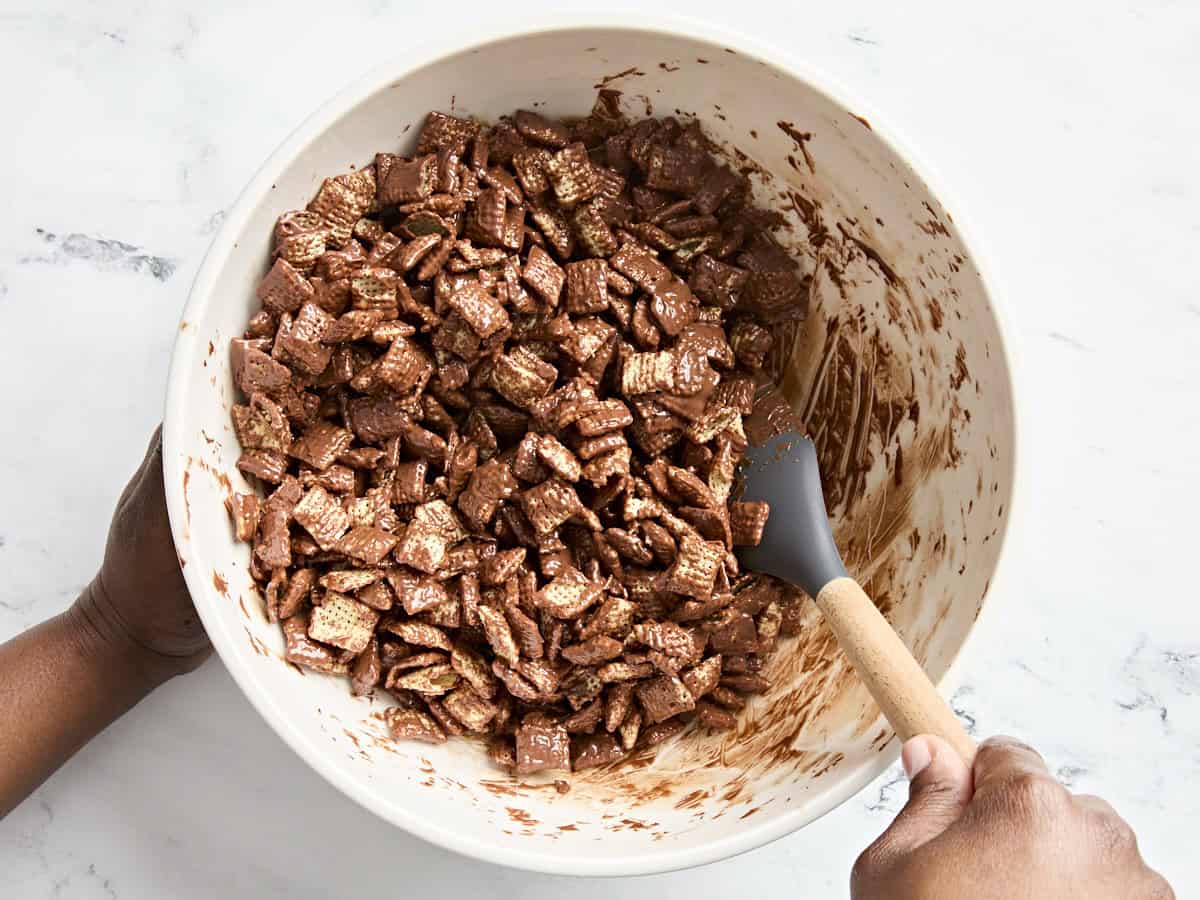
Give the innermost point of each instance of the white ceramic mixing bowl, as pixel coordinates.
(900, 372)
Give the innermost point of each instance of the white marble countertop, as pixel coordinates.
(1068, 130)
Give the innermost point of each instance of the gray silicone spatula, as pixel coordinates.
(798, 546)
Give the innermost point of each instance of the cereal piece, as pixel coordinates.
(618, 700)
(443, 132)
(672, 305)
(645, 333)
(541, 747)
(581, 687)
(254, 371)
(303, 651)
(479, 309)
(353, 326)
(624, 671)
(322, 516)
(530, 166)
(661, 544)
(413, 724)
(433, 680)
(499, 635)
(474, 711)
(558, 458)
(405, 366)
(373, 289)
(284, 290)
(490, 483)
(433, 528)
(300, 343)
(643, 373)
(473, 669)
(515, 683)
(595, 650)
(746, 522)
(735, 632)
(603, 417)
(417, 593)
(640, 266)
(663, 697)
(654, 735)
(376, 595)
(769, 624)
(343, 622)
(592, 231)
(587, 286)
(540, 130)
(572, 176)
(522, 378)
(544, 276)
(628, 545)
(408, 180)
(340, 203)
(418, 249)
(367, 543)
(367, 231)
(792, 612)
(629, 730)
(502, 566)
(555, 228)
(600, 469)
(614, 617)
(589, 448)
(588, 337)
(748, 683)
(300, 238)
(421, 635)
(669, 638)
(423, 442)
(540, 674)
(525, 631)
(712, 424)
(595, 750)
(689, 487)
(244, 510)
(717, 283)
(449, 724)
(585, 719)
(569, 595)
(292, 597)
(701, 679)
(695, 568)
(750, 343)
(321, 445)
(525, 463)
(346, 581)
(366, 671)
(549, 504)
(410, 485)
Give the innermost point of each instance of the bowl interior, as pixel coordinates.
(898, 372)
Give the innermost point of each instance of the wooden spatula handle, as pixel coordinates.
(897, 682)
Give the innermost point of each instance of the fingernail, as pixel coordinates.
(915, 756)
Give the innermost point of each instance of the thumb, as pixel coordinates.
(939, 789)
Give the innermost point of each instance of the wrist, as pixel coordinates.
(103, 635)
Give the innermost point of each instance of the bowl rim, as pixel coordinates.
(429, 51)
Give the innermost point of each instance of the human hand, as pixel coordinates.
(1005, 830)
(138, 602)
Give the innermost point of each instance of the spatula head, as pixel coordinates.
(797, 544)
